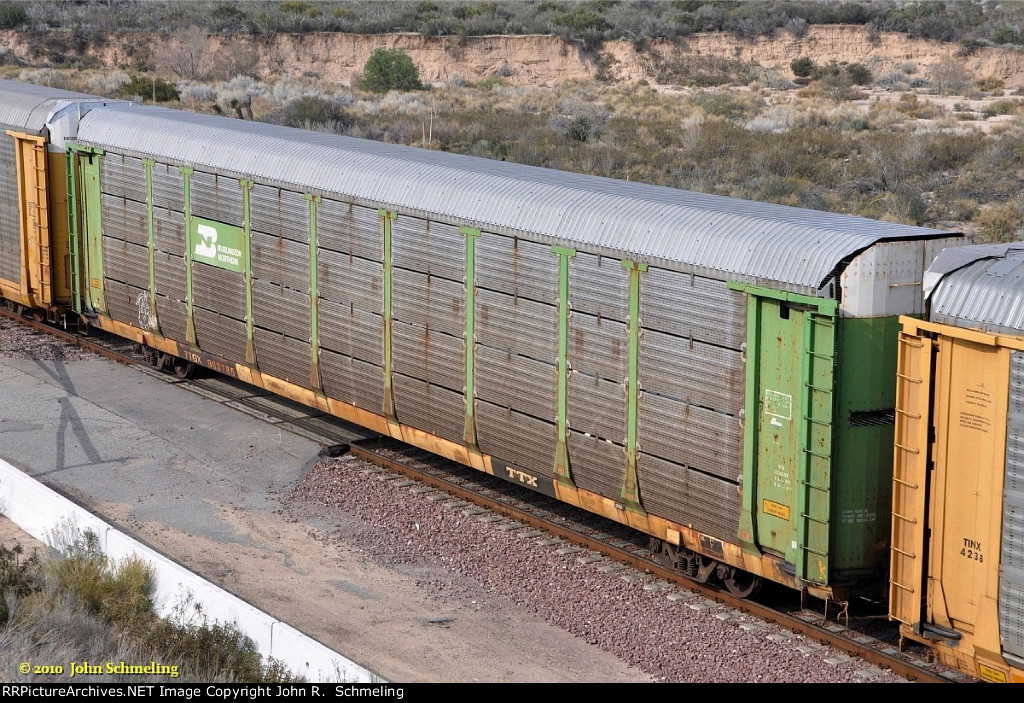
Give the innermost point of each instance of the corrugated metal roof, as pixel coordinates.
(707, 234)
(981, 287)
(28, 107)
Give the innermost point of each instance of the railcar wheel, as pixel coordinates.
(742, 584)
(182, 368)
(38, 314)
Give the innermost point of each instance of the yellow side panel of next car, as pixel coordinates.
(958, 617)
(970, 427)
(35, 288)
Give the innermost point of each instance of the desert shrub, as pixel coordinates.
(906, 205)
(227, 17)
(143, 88)
(859, 74)
(802, 67)
(989, 83)
(1006, 35)
(797, 26)
(829, 69)
(299, 7)
(963, 210)
(312, 112)
(582, 23)
(120, 594)
(390, 69)
(838, 87)
(911, 105)
(948, 151)
(720, 103)
(894, 80)
(1001, 223)
(216, 649)
(19, 576)
(950, 77)
(12, 15)
(103, 611)
(703, 71)
(1004, 107)
(577, 120)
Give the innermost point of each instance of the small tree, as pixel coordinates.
(859, 74)
(390, 69)
(802, 67)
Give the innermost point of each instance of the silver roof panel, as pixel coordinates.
(29, 107)
(981, 287)
(707, 234)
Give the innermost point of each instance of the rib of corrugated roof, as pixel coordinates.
(982, 287)
(708, 234)
(28, 107)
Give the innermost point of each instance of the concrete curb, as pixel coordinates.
(41, 512)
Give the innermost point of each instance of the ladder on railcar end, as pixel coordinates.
(42, 225)
(815, 475)
(34, 218)
(909, 478)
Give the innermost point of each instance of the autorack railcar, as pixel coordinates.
(957, 575)
(714, 372)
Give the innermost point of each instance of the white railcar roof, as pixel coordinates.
(720, 237)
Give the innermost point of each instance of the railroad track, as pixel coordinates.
(607, 541)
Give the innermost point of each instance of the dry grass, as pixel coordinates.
(73, 605)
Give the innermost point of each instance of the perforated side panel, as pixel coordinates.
(1011, 565)
(10, 229)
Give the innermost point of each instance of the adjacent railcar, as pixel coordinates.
(714, 372)
(35, 270)
(957, 573)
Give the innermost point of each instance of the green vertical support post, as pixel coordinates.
(469, 431)
(389, 395)
(91, 243)
(250, 333)
(563, 468)
(71, 172)
(752, 419)
(190, 325)
(314, 295)
(631, 486)
(151, 232)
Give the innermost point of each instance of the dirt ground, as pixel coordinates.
(411, 624)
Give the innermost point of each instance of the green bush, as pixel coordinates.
(299, 7)
(12, 15)
(390, 69)
(859, 74)
(18, 576)
(802, 67)
(148, 89)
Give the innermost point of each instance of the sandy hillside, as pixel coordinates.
(532, 60)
